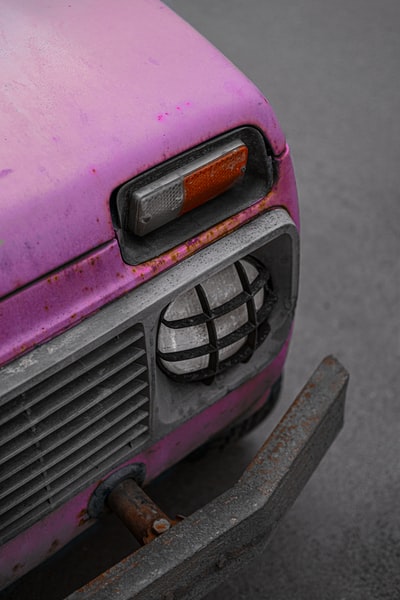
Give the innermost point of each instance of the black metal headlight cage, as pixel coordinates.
(255, 330)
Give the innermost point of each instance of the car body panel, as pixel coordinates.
(91, 94)
(61, 299)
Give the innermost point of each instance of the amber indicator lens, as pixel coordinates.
(214, 178)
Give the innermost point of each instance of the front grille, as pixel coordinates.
(71, 429)
(77, 407)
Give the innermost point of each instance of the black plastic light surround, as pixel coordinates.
(260, 175)
(256, 329)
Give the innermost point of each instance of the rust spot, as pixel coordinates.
(93, 170)
(73, 316)
(83, 517)
(95, 259)
(166, 541)
(216, 232)
(97, 219)
(17, 567)
(55, 544)
(46, 308)
(329, 360)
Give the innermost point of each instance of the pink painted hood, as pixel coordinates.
(92, 93)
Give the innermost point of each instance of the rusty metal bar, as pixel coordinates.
(144, 519)
(200, 552)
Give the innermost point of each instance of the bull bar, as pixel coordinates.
(193, 556)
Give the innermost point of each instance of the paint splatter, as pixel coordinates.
(162, 116)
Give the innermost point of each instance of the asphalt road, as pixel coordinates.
(331, 71)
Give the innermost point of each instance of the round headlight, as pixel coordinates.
(217, 324)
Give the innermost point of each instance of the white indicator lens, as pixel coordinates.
(154, 205)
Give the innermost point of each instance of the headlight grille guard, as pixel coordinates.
(256, 329)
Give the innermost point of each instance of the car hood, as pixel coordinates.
(92, 93)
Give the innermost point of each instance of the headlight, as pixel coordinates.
(217, 324)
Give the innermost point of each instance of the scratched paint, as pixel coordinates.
(78, 290)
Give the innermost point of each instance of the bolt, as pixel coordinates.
(160, 526)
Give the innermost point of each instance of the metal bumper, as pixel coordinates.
(197, 554)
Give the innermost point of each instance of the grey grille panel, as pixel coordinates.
(71, 428)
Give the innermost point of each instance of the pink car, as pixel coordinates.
(149, 261)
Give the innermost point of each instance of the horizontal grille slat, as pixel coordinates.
(72, 428)
(59, 486)
(64, 415)
(52, 384)
(52, 449)
(48, 405)
(76, 460)
(45, 496)
(42, 509)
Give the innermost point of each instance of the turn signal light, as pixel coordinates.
(186, 188)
